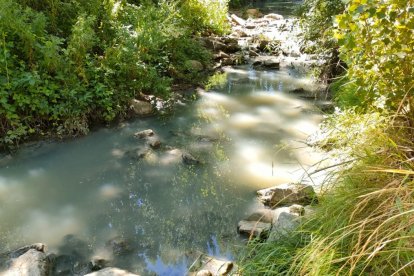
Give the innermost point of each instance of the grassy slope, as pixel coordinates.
(364, 225)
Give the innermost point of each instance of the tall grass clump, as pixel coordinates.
(364, 223)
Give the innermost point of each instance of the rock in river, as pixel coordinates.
(111, 271)
(257, 224)
(264, 223)
(274, 16)
(26, 261)
(119, 246)
(188, 159)
(144, 133)
(268, 62)
(286, 194)
(154, 142)
(206, 265)
(140, 108)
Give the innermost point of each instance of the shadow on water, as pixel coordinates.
(96, 197)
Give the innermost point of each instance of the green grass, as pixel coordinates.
(364, 225)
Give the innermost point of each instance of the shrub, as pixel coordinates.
(377, 43)
(66, 64)
(205, 15)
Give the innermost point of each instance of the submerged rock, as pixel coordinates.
(111, 271)
(63, 265)
(138, 153)
(154, 142)
(188, 159)
(119, 246)
(286, 194)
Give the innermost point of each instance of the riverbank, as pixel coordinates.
(362, 223)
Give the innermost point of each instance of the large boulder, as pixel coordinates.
(27, 261)
(140, 108)
(111, 271)
(287, 194)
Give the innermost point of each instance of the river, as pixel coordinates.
(76, 196)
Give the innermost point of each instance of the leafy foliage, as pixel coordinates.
(363, 224)
(377, 43)
(317, 21)
(65, 64)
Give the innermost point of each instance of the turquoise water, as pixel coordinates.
(247, 131)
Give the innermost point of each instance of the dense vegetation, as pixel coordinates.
(364, 222)
(67, 64)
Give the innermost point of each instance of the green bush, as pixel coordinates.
(205, 15)
(66, 64)
(377, 43)
(317, 20)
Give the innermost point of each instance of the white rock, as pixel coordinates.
(111, 271)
